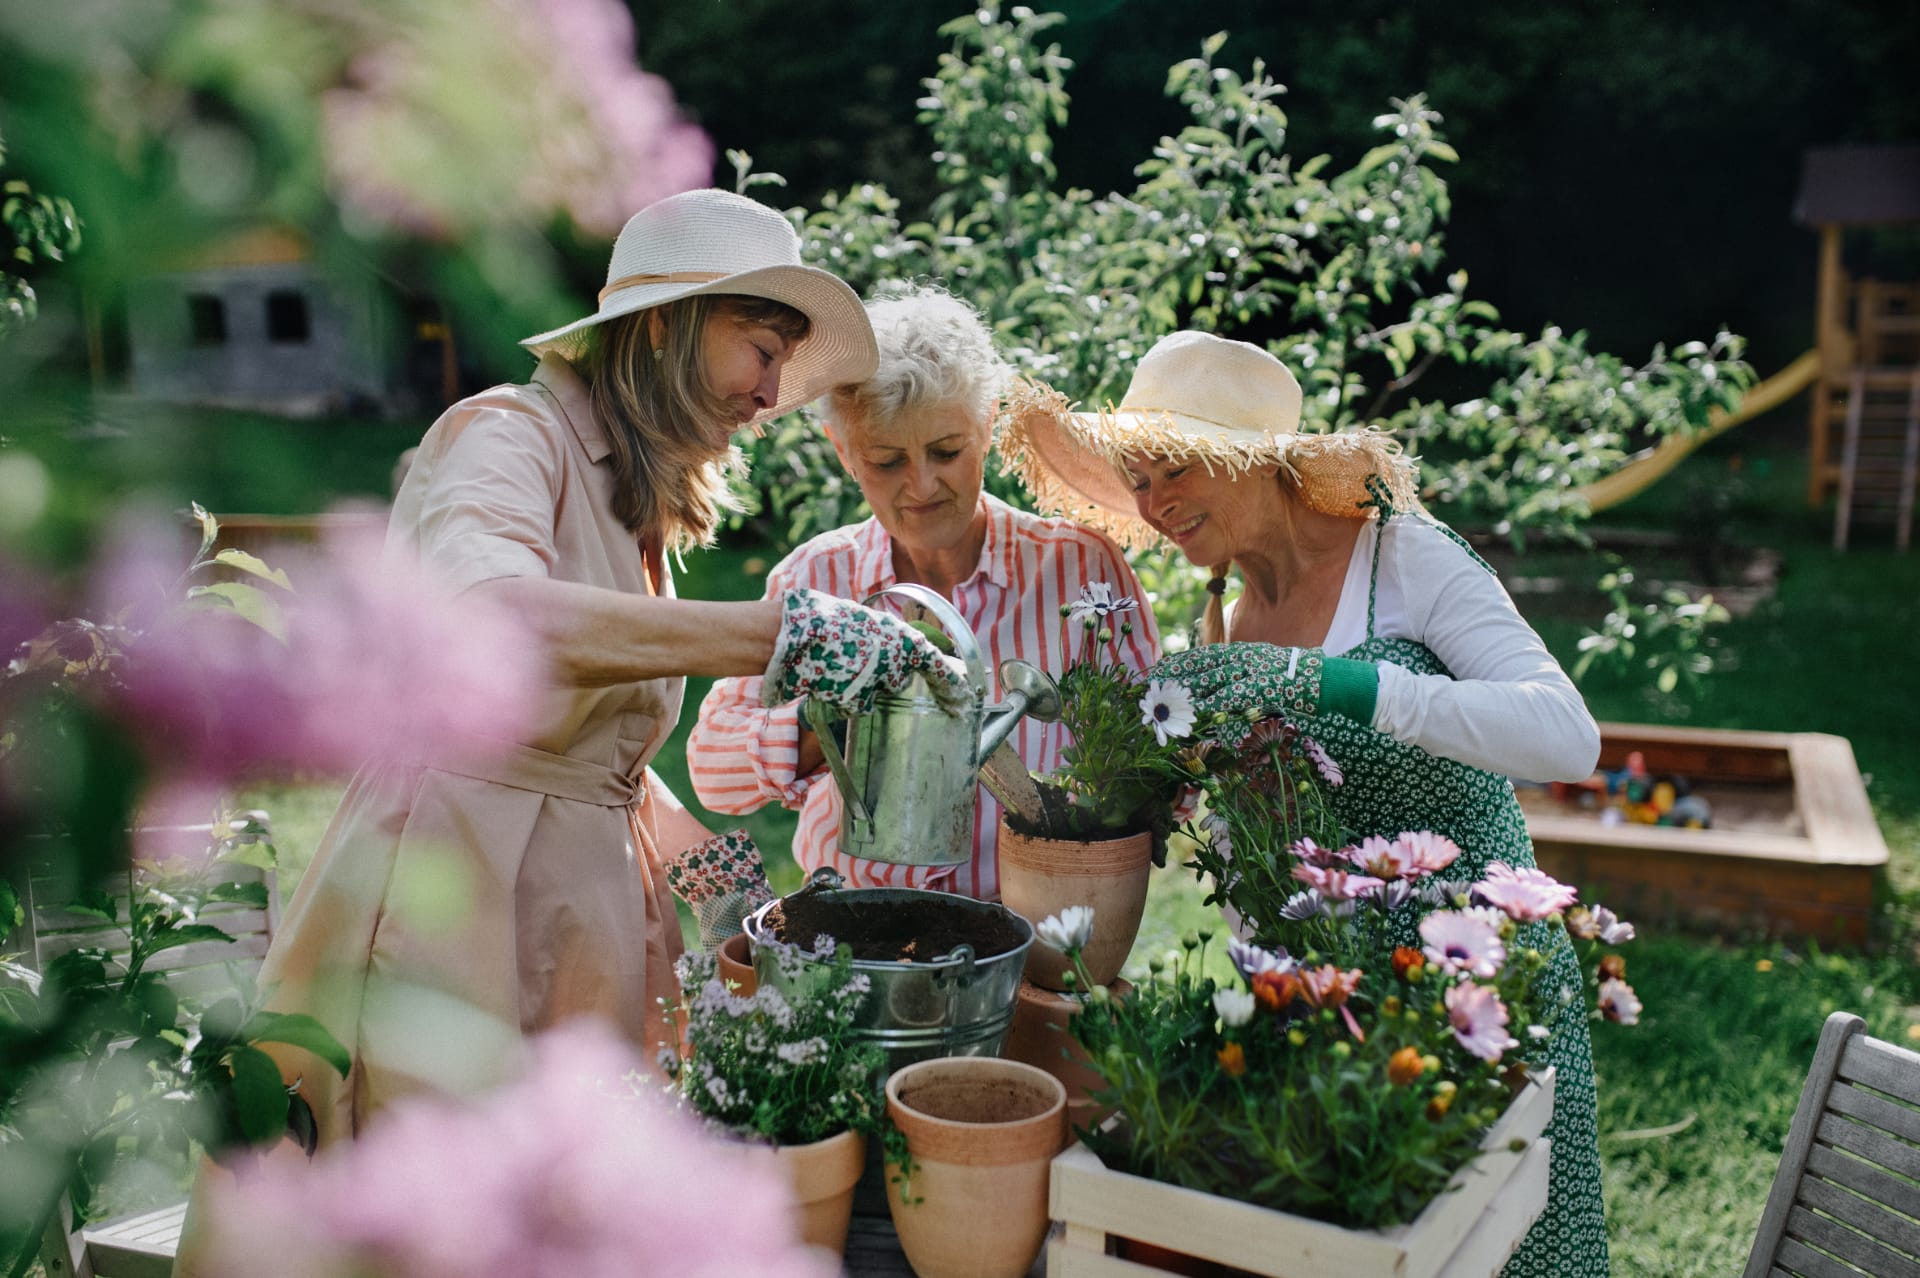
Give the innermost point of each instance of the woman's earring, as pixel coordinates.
(659, 353)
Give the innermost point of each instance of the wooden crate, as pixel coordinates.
(1793, 849)
(1471, 1229)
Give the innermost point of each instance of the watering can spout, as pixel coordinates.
(1030, 695)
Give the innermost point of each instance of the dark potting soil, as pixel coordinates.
(914, 932)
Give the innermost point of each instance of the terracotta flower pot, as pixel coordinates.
(1041, 877)
(1039, 1037)
(982, 1133)
(735, 960)
(823, 1175)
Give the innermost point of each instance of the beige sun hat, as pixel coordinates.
(713, 241)
(1198, 398)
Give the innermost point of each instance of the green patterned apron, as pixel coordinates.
(1391, 787)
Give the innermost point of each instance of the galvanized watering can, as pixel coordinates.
(908, 775)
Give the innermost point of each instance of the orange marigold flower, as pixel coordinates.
(1406, 961)
(1404, 1066)
(1613, 968)
(1275, 989)
(1232, 1059)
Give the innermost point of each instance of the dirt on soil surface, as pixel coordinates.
(913, 932)
(996, 1100)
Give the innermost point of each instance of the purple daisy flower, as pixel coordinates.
(1479, 1020)
(1459, 944)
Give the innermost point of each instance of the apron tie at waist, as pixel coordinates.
(523, 767)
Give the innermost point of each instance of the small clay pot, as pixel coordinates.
(823, 1175)
(982, 1133)
(1041, 877)
(735, 960)
(1039, 1036)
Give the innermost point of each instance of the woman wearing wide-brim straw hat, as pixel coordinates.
(465, 896)
(1363, 619)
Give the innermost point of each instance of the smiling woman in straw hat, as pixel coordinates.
(1362, 619)
(544, 858)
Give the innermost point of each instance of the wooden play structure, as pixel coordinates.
(1864, 370)
(1865, 420)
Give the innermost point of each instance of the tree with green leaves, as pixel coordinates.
(1339, 272)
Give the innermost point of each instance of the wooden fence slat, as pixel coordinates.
(1864, 1214)
(1853, 1247)
(1876, 1111)
(1868, 1143)
(1885, 1068)
(1802, 1261)
(1864, 1179)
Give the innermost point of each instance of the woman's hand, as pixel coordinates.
(1243, 679)
(846, 655)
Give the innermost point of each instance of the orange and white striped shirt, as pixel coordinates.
(743, 756)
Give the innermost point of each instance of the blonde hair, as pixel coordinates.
(656, 409)
(1213, 620)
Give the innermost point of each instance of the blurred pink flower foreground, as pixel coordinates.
(580, 1168)
(377, 662)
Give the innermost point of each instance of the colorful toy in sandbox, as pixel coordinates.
(1633, 795)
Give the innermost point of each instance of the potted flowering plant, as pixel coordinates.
(788, 1073)
(1382, 1030)
(1087, 838)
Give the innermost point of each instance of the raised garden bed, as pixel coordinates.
(1793, 848)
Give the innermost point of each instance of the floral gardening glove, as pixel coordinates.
(1245, 681)
(846, 655)
(724, 880)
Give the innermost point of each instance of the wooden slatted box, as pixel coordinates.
(1470, 1229)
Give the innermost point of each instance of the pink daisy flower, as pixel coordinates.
(1313, 854)
(1479, 1020)
(1525, 895)
(1382, 858)
(1460, 944)
(1323, 762)
(1619, 1003)
(1335, 884)
(1429, 852)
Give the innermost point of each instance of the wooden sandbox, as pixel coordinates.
(1793, 848)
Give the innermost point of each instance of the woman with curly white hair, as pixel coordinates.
(915, 438)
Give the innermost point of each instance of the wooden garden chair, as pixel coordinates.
(1846, 1200)
(141, 1245)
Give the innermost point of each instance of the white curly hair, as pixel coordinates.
(934, 350)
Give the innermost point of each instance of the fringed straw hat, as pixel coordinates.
(713, 241)
(1197, 398)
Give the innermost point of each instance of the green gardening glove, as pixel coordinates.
(1245, 681)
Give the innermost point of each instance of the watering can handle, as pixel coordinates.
(816, 713)
(966, 647)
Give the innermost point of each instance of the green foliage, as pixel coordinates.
(39, 228)
(1339, 272)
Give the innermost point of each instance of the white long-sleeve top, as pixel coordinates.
(1509, 707)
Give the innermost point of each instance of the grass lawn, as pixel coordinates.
(1696, 1100)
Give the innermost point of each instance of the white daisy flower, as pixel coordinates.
(1235, 1007)
(1070, 929)
(1168, 710)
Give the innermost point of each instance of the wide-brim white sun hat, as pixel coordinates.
(713, 241)
(1201, 399)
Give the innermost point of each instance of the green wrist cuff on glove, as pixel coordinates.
(1349, 688)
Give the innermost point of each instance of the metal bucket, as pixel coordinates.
(953, 1005)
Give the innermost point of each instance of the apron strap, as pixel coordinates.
(522, 767)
